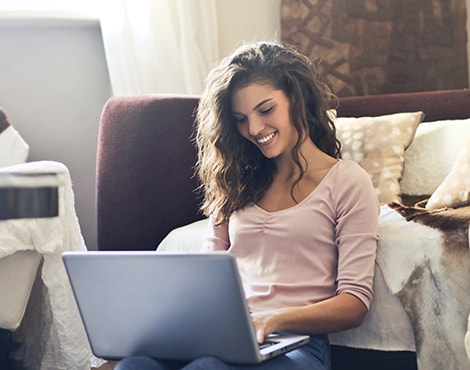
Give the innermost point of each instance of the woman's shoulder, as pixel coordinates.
(349, 166)
(351, 172)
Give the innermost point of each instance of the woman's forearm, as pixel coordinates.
(341, 312)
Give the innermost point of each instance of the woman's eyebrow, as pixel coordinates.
(256, 106)
(261, 103)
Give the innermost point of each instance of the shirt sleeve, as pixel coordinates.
(217, 236)
(356, 232)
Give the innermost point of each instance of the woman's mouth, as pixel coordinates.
(266, 139)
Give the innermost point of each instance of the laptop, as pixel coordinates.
(167, 306)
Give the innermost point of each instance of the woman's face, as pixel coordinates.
(262, 116)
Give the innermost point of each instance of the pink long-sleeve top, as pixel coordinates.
(323, 246)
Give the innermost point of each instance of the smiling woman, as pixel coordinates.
(303, 224)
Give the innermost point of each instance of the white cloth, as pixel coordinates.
(52, 332)
(13, 149)
(136, 32)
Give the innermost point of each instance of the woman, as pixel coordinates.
(301, 221)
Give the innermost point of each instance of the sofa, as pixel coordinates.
(412, 145)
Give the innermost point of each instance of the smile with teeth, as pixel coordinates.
(265, 139)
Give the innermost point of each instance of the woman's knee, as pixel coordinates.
(204, 363)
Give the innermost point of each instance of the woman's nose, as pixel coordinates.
(255, 126)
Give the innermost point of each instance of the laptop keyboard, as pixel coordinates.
(267, 344)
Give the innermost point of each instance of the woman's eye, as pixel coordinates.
(266, 110)
(240, 120)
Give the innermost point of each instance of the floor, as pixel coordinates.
(7, 350)
(107, 366)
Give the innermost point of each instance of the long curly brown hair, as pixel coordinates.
(232, 171)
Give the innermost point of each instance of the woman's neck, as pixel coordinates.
(311, 158)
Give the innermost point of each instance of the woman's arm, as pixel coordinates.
(341, 312)
(216, 238)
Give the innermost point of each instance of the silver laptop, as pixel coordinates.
(167, 306)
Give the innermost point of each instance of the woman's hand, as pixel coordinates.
(265, 323)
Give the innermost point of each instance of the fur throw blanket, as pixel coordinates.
(429, 272)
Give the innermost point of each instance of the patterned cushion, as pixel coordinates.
(378, 145)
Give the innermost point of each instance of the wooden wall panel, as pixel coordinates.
(373, 47)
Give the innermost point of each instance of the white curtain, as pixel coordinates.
(165, 46)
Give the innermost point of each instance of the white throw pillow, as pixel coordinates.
(432, 154)
(187, 239)
(455, 189)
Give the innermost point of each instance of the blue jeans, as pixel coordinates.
(312, 356)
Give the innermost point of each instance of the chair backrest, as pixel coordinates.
(145, 183)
